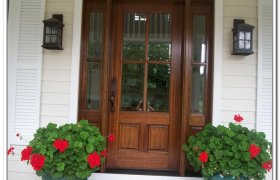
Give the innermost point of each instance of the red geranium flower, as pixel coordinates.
(111, 137)
(11, 150)
(93, 160)
(203, 157)
(25, 153)
(238, 118)
(61, 144)
(267, 165)
(254, 150)
(104, 153)
(37, 161)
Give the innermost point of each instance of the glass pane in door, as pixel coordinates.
(199, 39)
(132, 87)
(158, 87)
(160, 37)
(134, 31)
(95, 42)
(198, 89)
(93, 85)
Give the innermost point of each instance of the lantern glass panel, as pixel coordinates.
(54, 39)
(47, 39)
(247, 45)
(248, 35)
(241, 35)
(241, 44)
(48, 30)
(54, 30)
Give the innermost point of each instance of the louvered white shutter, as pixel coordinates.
(25, 29)
(264, 94)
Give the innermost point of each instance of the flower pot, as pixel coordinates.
(226, 177)
(48, 177)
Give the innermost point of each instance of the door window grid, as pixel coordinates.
(156, 49)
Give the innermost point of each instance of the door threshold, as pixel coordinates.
(142, 172)
(111, 176)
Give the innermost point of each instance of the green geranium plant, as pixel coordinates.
(233, 151)
(69, 151)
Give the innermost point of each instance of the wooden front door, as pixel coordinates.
(146, 86)
(146, 76)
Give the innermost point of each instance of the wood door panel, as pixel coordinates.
(158, 138)
(129, 136)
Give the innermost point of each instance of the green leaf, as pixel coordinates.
(246, 156)
(243, 146)
(50, 153)
(51, 126)
(234, 172)
(60, 166)
(218, 154)
(84, 135)
(89, 148)
(78, 144)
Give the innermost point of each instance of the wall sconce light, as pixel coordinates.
(242, 38)
(53, 32)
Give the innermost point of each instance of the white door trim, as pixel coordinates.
(218, 53)
(75, 65)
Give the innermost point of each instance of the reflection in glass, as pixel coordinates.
(199, 38)
(93, 85)
(134, 31)
(158, 87)
(198, 89)
(95, 44)
(160, 37)
(132, 87)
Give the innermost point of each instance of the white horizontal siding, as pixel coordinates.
(55, 87)
(239, 93)
(56, 75)
(239, 73)
(250, 3)
(60, 6)
(238, 10)
(239, 81)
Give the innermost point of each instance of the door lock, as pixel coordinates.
(113, 93)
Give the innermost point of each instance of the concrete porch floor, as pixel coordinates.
(107, 176)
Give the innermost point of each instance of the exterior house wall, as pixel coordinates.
(56, 74)
(239, 75)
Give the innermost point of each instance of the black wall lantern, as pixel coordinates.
(53, 32)
(242, 38)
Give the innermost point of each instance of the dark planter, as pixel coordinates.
(227, 177)
(48, 177)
